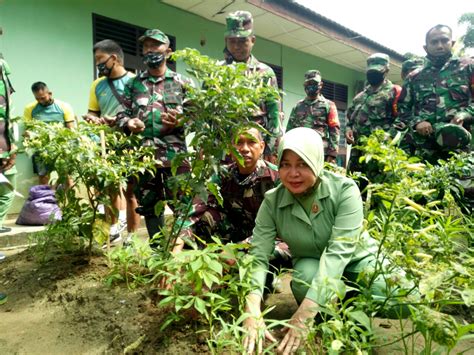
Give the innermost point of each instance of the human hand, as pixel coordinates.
(350, 137)
(424, 128)
(135, 125)
(165, 284)
(170, 119)
(8, 163)
(330, 159)
(299, 330)
(461, 117)
(255, 327)
(93, 119)
(109, 120)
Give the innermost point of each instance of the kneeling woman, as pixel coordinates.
(319, 215)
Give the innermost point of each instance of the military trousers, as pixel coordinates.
(305, 269)
(7, 194)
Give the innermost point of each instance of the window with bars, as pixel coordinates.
(126, 35)
(337, 93)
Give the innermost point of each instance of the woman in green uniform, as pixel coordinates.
(319, 215)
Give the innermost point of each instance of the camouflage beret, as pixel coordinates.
(314, 75)
(378, 62)
(239, 24)
(450, 135)
(412, 63)
(155, 34)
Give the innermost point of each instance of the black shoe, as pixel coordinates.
(5, 229)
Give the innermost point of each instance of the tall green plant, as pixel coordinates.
(424, 236)
(224, 102)
(98, 160)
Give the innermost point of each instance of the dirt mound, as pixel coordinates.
(65, 307)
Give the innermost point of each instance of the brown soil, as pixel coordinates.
(65, 307)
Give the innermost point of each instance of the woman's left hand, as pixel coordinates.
(296, 335)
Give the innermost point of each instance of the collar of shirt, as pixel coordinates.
(297, 209)
(429, 65)
(156, 79)
(262, 170)
(320, 98)
(370, 90)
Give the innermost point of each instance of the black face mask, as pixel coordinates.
(439, 61)
(103, 70)
(46, 104)
(375, 77)
(312, 90)
(153, 59)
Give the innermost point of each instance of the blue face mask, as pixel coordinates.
(153, 59)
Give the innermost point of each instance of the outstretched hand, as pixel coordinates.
(256, 333)
(296, 334)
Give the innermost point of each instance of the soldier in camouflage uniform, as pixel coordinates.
(410, 65)
(374, 108)
(153, 102)
(242, 188)
(240, 39)
(437, 99)
(9, 137)
(318, 113)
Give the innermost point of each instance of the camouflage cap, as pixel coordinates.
(155, 34)
(412, 63)
(239, 24)
(312, 75)
(378, 62)
(450, 135)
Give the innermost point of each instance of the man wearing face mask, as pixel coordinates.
(318, 113)
(48, 110)
(239, 40)
(105, 101)
(373, 108)
(153, 104)
(106, 94)
(437, 100)
(409, 65)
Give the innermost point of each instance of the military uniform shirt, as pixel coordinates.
(435, 94)
(321, 115)
(242, 198)
(270, 115)
(146, 97)
(7, 127)
(374, 109)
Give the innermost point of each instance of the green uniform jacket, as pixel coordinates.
(332, 233)
(321, 115)
(11, 127)
(436, 95)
